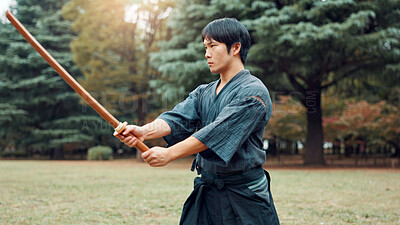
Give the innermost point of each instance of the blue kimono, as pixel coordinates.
(231, 124)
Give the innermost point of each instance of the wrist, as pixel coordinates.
(172, 153)
(144, 130)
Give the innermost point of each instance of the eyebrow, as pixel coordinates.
(209, 42)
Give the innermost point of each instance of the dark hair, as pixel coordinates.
(229, 31)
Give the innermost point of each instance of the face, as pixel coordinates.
(217, 56)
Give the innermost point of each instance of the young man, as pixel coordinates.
(223, 122)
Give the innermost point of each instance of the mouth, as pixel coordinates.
(210, 63)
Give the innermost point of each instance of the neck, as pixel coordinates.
(231, 72)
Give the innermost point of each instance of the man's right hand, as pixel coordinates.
(129, 140)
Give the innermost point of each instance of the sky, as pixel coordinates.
(4, 5)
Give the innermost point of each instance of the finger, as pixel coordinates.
(153, 162)
(121, 137)
(127, 139)
(127, 129)
(146, 154)
(156, 163)
(132, 142)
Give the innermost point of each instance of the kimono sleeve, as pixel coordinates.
(183, 119)
(235, 123)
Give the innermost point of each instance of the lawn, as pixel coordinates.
(118, 192)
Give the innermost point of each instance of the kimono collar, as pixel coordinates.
(241, 74)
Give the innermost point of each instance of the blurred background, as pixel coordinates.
(332, 68)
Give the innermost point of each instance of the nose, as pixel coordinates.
(207, 54)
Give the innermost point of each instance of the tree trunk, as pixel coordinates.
(58, 154)
(272, 146)
(313, 154)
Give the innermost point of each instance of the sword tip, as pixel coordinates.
(8, 13)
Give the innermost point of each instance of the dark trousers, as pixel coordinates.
(235, 199)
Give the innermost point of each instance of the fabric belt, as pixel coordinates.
(242, 179)
(214, 198)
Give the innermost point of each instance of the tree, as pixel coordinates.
(372, 124)
(289, 120)
(41, 112)
(389, 125)
(113, 47)
(181, 58)
(112, 50)
(104, 48)
(287, 124)
(302, 48)
(308, 46)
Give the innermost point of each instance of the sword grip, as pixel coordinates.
(140, 145)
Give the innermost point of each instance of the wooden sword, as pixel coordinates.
(107, 116)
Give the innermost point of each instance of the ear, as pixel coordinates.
(236, 48)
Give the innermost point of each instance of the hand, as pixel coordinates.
(130, 141)
(157, 156)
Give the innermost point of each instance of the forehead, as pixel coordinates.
(208, 41)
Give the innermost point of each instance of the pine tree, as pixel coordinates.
(301, 48)
(181, 59)
(44, 113)
(308, 46)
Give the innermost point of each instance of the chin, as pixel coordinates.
(213, 71)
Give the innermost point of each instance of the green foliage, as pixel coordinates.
(300, 48)
(112, 50)
(13, 154)
(37, 104)
(99, 153)
(181, 59)
(325, 42)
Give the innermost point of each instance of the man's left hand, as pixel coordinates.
(157, 156)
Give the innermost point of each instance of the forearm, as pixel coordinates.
(156, 129)
(189, 146)
(159, 156)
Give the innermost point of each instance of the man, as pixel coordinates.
(223, 122)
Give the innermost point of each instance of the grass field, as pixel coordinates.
(126, 192)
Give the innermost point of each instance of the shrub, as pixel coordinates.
(99, 153)
(13, 154)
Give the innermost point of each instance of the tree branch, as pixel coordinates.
(283, 66)
(362, 61)
(350, 72)
(340, 78)
(323, 72)
(297, 86)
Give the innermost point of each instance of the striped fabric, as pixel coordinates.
(260, 188)
(233, 188)
(231, 123)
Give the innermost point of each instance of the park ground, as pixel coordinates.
(129, 192)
